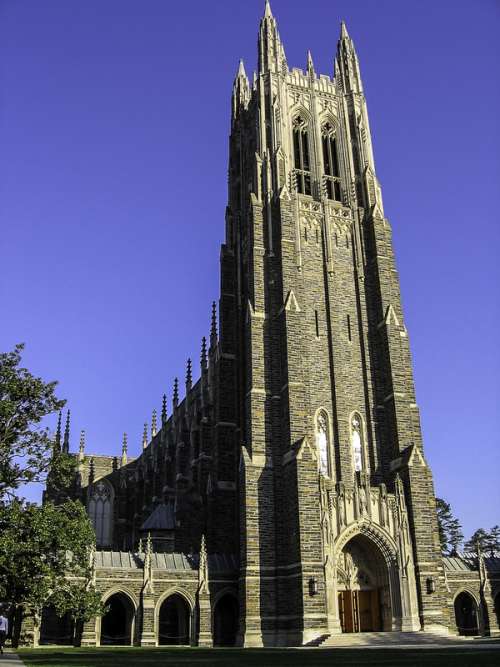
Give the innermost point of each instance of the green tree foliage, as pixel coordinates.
(45, 551)
(45, 556)
(488, 541)
(25, 446)
(450, 530)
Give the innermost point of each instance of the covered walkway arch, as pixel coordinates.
(118, 623)
(174, 620)
(466, 614)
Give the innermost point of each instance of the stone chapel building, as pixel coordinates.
(286, 499)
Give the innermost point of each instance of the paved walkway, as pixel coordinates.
(10, 660)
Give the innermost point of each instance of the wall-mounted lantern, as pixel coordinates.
(313, 586)
(431, 585)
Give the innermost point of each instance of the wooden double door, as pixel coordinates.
(359, 611)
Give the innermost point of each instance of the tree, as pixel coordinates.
(45, 558)
(450, 530)
(479, 539)
(486, 541)
(25, 446)
(494, 539)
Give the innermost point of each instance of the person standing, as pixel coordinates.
(4, 628)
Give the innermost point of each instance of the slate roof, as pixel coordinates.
(161, 518)
(467, 562)
(128, 560)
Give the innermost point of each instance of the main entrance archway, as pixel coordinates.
(118, 622)
(363, 589)
(226, 614)
(174, 621)
(466, 614)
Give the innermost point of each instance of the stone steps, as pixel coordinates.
(385, 639)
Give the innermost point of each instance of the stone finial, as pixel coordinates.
(203, 567)
(310, 65)
(203, 358)
(145, 436)
(153, 424)
(57, 439)
(65, 446)
(124, 450)
(189, 376)
(164, 409)
(148, 566)
(267, 10)
(175, 395)
(81, 449)
(213, 325)
(343, 31)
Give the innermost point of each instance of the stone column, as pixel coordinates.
(205, 637)
(148, 635)
(89, 635)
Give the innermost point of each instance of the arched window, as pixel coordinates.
(323, 442)
(100, 510)
(357, 442)
(301, 156)
(331, 162)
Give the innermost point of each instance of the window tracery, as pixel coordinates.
(301, 155)
(331, 162)
(357, 442)
(100, 506)
(323, 443)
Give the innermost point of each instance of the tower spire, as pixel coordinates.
(310, 65)
(81, 449)
(175, 395)
(57, 439)
(65, 446)
(241, 91)
(347, 64)
(213, 326)
(124, 450)
(203, 357)
(153, 424)
(189, 376)
(164, 409)
(271, 53)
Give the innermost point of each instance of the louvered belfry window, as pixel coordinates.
(301, 156)
(331, 163)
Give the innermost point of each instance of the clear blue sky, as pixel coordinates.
(113, 133)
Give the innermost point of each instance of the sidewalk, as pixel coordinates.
(10, 660)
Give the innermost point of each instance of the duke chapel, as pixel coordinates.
(286, 499)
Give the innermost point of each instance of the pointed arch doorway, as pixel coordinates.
(363, 588)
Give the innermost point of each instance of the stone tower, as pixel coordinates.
(337, 516)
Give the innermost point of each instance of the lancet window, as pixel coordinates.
(357, 442)
(323, 443)
(301, 156)
(100, 510)
(331, 162)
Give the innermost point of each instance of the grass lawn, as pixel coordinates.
(199, 657)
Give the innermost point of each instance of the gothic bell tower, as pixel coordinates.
(338, 530)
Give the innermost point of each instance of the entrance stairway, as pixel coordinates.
(384, 639)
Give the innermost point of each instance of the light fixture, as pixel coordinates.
(313, 586)
(431, 585)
